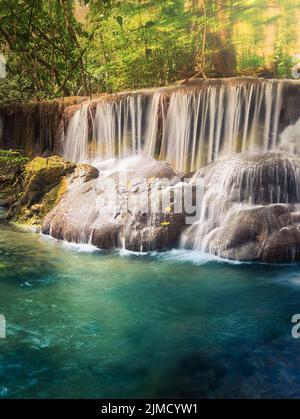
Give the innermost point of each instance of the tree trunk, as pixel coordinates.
(271, 33)
(224, 56)
(217, 53)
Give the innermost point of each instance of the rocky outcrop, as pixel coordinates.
(261, 233)
(45, 180)
(109, 213)
(250, 209)
(42, 175)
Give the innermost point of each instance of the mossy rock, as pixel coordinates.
(42, 175)
(39, 164)
(35, 214)
(44, 183)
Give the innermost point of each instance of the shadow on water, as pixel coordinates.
(239, 372)
(23, 257)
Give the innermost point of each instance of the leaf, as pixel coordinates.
(148, 52)
(119, 19)
(149, 24)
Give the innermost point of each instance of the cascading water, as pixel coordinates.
(221, 119)
(188, 126)
(76, 146)
(290, 138)
(251, 197)
(239, 192)
(117, 127)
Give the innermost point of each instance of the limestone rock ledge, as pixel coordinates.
(250, 208)
(41, 184)
(87, 214)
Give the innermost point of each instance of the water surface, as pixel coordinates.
(177, 324)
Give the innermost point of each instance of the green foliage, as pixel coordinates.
(71, 47)
(41, 42)
(149, 48)
(283, 63)
(11, 159)
(250, 62)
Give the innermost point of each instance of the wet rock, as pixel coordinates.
(96, 212)
(250, 209)
(258, 178)
(144, 233)
(258, 234)
(84, 173)
(43, 174)
(44, 183)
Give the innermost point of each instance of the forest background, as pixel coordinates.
(55, 48)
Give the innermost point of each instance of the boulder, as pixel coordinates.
(42, 175)
(94, 212)
(45, 181)
(250, 209)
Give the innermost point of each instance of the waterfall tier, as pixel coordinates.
(250, 209)
(188, 126)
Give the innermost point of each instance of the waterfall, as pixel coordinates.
(290, 138)
(231, 145)
(152, 125)
(189, 126)
(118, 127)
(76, 145)
(236, 186)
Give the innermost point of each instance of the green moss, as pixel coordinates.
(36, 165)
(34, 215)
(48, 164)
(52, 198)
(44, 184)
